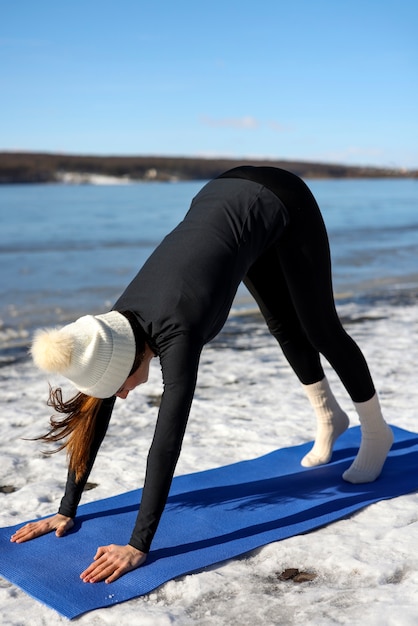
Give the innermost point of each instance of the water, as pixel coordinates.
(66, 250)
(63, 249)
(373, 229)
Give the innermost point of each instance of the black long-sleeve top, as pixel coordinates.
(182, 297)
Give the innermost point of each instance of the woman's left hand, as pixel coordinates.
(111, 562)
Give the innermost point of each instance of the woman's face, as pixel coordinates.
(139, 377)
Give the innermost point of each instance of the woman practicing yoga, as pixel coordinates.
(259, 225)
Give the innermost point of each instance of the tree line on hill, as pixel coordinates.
(28, 167)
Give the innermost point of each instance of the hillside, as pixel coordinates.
(21, 167)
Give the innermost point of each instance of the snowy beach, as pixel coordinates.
(248, 403)
(365, 566)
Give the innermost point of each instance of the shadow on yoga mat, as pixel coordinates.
(210, 517)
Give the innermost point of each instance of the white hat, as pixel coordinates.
(95, 353)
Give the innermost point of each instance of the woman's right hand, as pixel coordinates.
(60, 523)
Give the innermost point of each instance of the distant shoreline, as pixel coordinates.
(30, 167)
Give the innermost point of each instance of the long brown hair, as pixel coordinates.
(76, 430)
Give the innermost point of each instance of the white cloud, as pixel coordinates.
(246, 122)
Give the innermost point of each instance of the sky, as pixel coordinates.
(333, 81)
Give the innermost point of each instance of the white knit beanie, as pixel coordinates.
(95, 353)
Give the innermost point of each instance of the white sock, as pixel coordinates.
(331, 422)
(376, 441)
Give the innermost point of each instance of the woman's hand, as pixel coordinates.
(111, 562)
(60, 523)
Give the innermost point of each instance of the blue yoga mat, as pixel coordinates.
(210, 517)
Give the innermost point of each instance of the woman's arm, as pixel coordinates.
(179, 366)
(62, 521)
(74, 489)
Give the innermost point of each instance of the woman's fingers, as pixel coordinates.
(60, 523)
(31, 531)
(111, 562)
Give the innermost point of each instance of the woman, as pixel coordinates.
(257, 224)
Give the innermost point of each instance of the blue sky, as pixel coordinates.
(318, 80)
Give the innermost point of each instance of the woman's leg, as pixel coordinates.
(304, 258)
(266, 283)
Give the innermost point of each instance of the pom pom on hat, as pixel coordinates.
(52, 349)
(95, 353)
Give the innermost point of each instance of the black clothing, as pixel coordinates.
(73, 490)
(260, 225)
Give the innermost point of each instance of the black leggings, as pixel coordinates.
(292, 285)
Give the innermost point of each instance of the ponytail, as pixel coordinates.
(77, 427)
